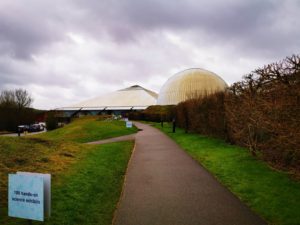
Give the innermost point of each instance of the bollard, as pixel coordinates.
(174, 125)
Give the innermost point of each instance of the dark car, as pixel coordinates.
(35, 127)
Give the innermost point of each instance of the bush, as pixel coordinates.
(154, 113)
(10, 118)
(262, 112)
(204, 115)
(15, 109)
(51, 121)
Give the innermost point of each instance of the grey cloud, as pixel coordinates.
(26, 28)
(132, 32)
(218, 16)
(18, 73)
(243, 22)
(249, 25)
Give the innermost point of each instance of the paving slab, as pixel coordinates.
(165, 186)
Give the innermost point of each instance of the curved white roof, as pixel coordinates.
(134, 96)
(189, 84)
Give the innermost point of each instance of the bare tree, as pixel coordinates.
(18, 98)
(7, 99)
(23, 98)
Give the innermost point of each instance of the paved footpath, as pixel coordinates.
(165, 186)
(115, 139)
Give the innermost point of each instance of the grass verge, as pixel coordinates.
(270, 193)
(86, 179)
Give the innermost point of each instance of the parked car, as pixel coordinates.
(43, 124)
(35, 127)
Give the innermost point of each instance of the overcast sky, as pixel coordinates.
(66, 51)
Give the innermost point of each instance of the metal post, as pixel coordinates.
(174, 125)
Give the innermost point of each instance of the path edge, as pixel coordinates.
(123, 186)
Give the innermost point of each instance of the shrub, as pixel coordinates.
(51, 120)
(261, 112)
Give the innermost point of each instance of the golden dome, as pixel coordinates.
(189, 84)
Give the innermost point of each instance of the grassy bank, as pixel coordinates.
(86, 179)
(88, 129)
(272, 194)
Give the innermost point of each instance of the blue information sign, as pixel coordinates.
(128, 124)
(26, 197)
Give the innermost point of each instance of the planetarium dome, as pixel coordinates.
(189, 84)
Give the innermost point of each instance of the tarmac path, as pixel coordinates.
(22, 134)
(115, 139)
(165, 186)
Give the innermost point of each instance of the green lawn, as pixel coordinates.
(86, 179)
(90, 192)
(272, 194)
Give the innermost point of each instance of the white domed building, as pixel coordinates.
(134, 98)
(182, 86)
(189, 84)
